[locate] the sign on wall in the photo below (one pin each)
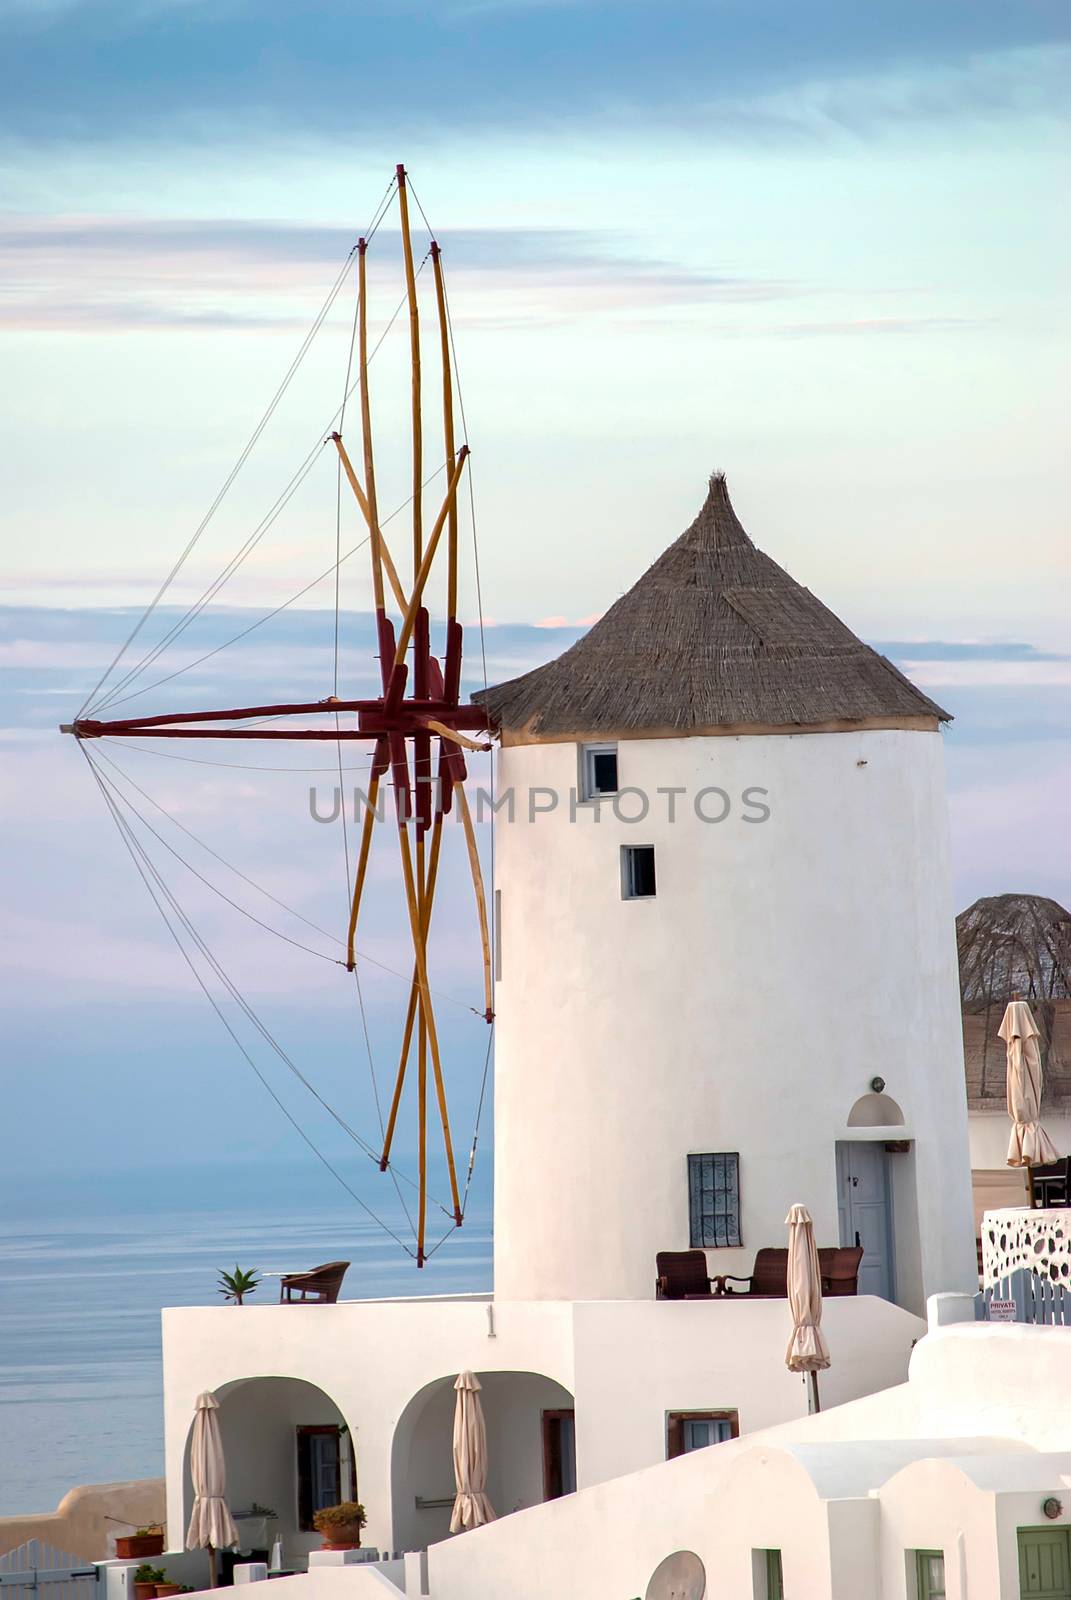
(1002, 1310)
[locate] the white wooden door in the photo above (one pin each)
(865, 1213)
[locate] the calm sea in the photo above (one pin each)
(86, 1264)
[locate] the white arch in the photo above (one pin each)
(421, 1449)
(258, 1417)
(875, 1111)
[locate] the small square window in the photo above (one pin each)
(598, 770)
(714, 1201)
(694, 1430)
(637, 871)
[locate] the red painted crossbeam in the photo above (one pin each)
(373, 718)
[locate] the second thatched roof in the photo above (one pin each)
(1015, 944)
(714, 635)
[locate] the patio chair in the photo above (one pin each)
(682, 1275)
(838, 1266)
(768, 1279)
(318, 1287)
(1051, 1183)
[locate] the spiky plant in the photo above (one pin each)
(237, 1284)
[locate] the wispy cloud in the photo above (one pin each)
(1030, 81)
(965, 650)
(865, 327)
(944, 663)
(189, 273)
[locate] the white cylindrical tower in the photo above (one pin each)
(724, 912)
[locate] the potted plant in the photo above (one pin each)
(341, 1525)
(147, 1541)
(146, 1577)
(237, 1284)
(165, 1589)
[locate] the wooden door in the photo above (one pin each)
(865, 1213)
(1045, 1563)
(559, 1453)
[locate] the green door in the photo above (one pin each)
(930, 1573)
(1045, 1563)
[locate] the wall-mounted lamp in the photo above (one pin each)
(1052, 1508)
(878, 1085)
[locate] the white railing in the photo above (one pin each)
(33, 1571)
(1036, 1299)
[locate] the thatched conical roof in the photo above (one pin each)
(1015, 944)
(714, 636)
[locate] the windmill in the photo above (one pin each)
(417, 727)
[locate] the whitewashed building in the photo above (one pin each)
(954, 1484)
(726, 982)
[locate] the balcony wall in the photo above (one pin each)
(628, 1363)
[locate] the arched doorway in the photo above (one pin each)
(522, 1410)
(289, 1450)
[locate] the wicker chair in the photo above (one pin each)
(318, 1287)
(837, 1264)
(682, 1275)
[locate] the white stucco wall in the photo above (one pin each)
(387, 1366)
(370, 1358)
(701, 1358)
(780, 967)
(955, 1460)
(990, 1132)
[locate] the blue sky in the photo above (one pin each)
(823, 247)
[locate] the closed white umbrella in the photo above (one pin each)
(211, 1524)
(1030, 1145)
(472, 1507)
(807, 1349)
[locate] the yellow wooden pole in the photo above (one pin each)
(429, 1017)
(414, 992)
(448, 425)
(429, 556)
(422, 1066)
(414, 352)
(362, 868)
(422, 1127)
(457, 738)
(366, 425)
(392, 574)
(444, 1114)
(355, 483)
(362, 501)
(481, 901)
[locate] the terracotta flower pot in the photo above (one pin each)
(345, 1536)
(136, 1546)
(145, 1591)
(163, 1590)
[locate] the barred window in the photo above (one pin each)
(714, 1200)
